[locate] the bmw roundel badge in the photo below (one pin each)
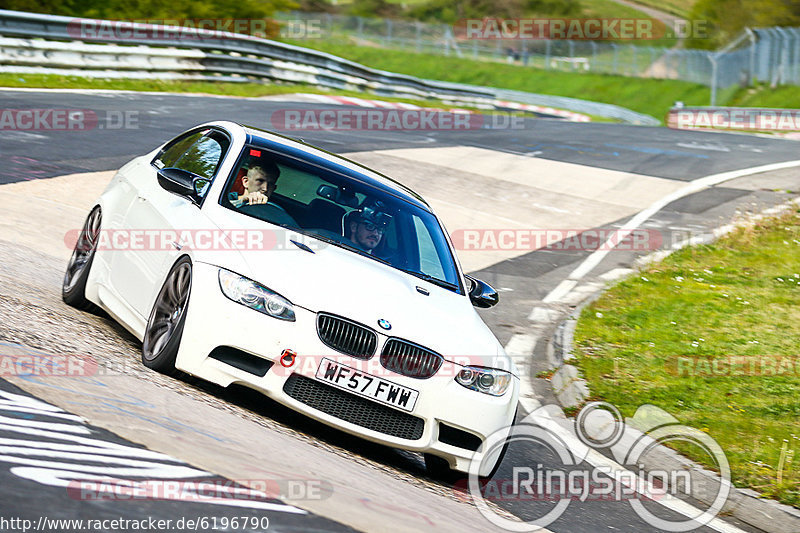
(384, 324)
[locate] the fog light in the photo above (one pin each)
(288, 358)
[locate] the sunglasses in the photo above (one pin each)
(372, 227)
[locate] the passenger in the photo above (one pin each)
(259, 183)
(367, 227)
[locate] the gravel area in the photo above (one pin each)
(34, 315)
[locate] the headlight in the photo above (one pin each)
(485, 380)
(255, 296)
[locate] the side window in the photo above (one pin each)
(202, 158)
(173, 151)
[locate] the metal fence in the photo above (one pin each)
(771, 55)
(35, 43)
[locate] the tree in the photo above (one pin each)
(727, 18)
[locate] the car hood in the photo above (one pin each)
(341, 282)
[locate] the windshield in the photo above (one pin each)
(342, 211)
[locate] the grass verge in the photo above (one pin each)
(248, 90)
(649, 96)
(710, 335)
(682, 8)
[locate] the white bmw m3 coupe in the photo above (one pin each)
(241, 256)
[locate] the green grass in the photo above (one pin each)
(610, 9)
(676, 7)
(736, 297)
(649, 96)
(762, 96)
(653, 97)
(252, 90)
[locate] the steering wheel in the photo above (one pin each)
(269, 212)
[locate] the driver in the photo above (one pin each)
(367, 228)
(259, 183)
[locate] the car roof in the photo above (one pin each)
(299, 148)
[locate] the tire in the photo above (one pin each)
(439, 469)
(73, 287)
(162, 336)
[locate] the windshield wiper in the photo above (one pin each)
(431, 279)
(421, 275)
(348, 246)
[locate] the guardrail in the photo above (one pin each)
(35, 43)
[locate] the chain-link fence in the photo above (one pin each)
(771, 55)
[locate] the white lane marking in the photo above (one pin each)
(520, 347)
(97, 459)
(520, 344)
(694, 186)
(560, 291)
(436, 199)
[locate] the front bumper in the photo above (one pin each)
(212, 320)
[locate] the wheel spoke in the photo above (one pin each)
(166, 317)
(183, 281)
(160, 342)
(164, 323)
(174, 298)
(164, 307)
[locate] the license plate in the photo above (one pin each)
(366, 385)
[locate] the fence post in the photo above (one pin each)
(616, 58)
(419, 33)
(360, 29)
(547, 54)
(713, 59)
(752, 37)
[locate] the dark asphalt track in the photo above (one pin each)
(651, 151)
(39, 448)
(658, 152)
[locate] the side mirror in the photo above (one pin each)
(183, 183)
(481, 294)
